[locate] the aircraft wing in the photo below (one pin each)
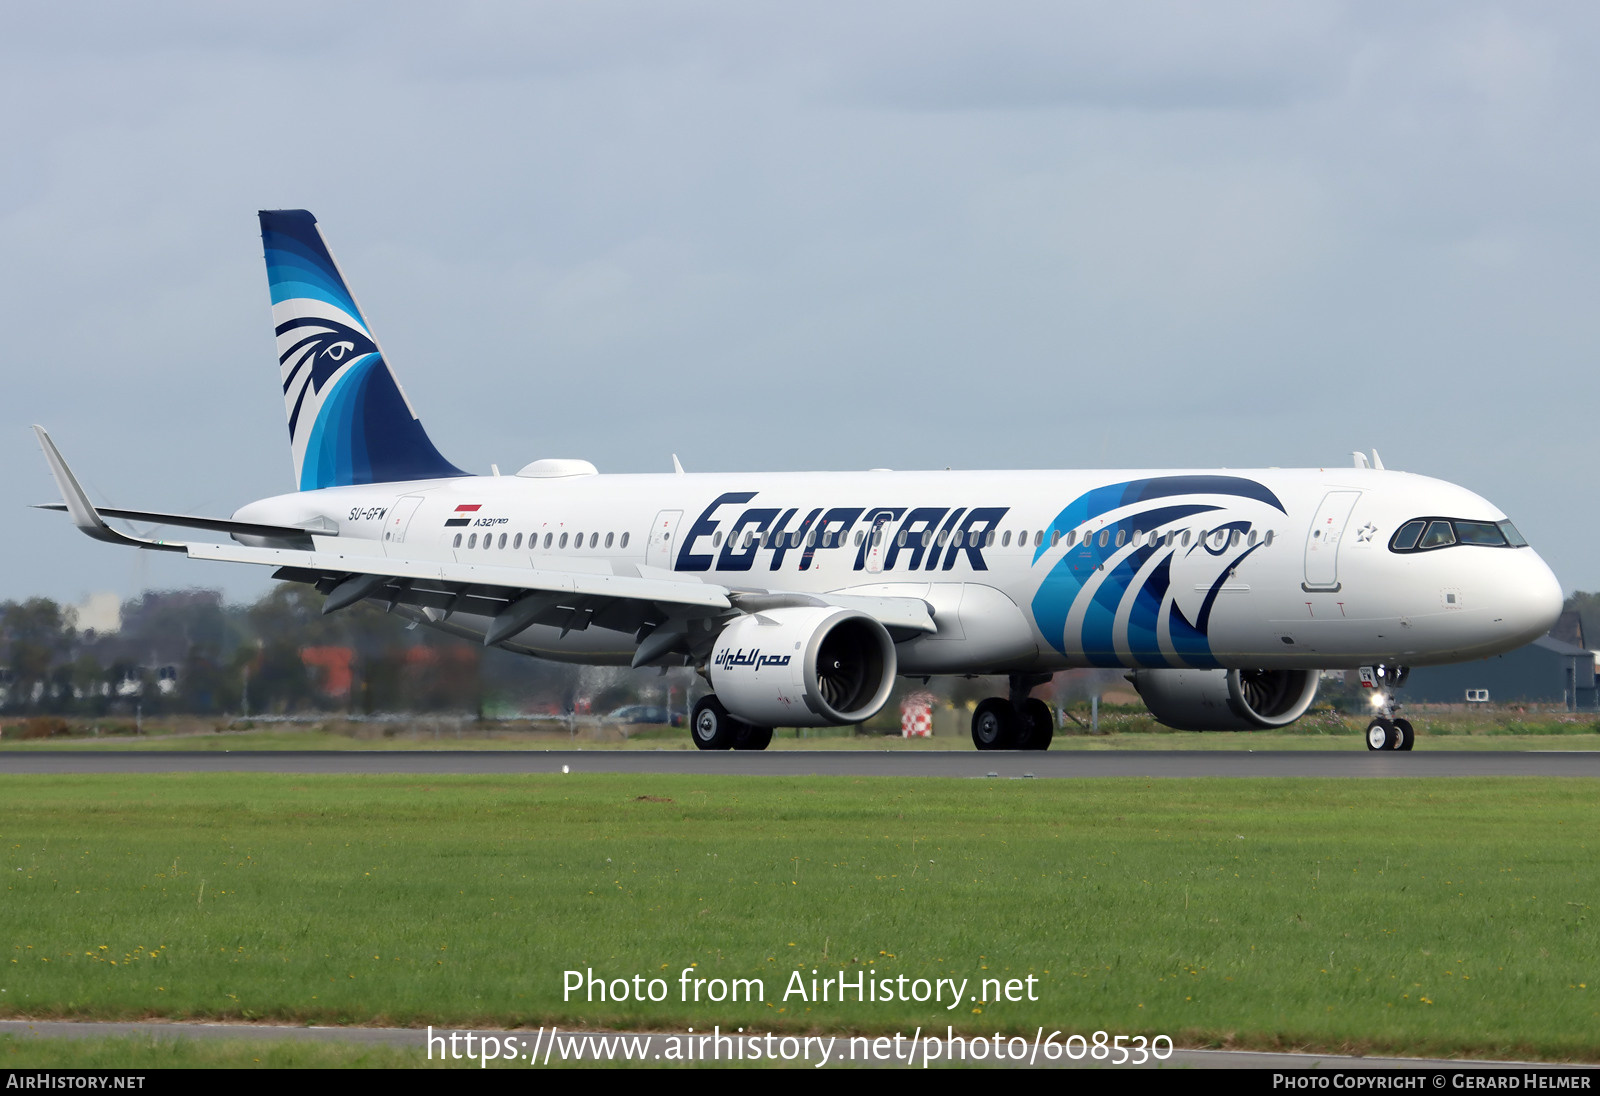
(656, 606)
(91, 518)
(192, 521)
(657, 610)
(509, 580)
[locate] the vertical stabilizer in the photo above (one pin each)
(349, 422)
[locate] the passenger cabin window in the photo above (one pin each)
(624, 540)
(1055, 537)
(609, 538)
(472, 541)
(457, 544)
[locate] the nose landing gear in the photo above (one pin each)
(1390, 734)
(1386, 732)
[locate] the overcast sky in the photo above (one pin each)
(998, 235)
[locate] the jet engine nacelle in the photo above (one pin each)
(1226, 700)
(803, 667)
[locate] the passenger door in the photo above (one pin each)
(1322, 542)
(399, 521)
(658, 553)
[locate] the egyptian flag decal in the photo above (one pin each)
(464, 514)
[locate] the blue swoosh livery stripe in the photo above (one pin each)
(1080, 567)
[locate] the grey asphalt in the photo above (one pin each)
(531, 1046)
(959, 763)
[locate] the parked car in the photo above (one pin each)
(643, 713)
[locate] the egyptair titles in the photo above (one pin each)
(927, 538)
(741, 657)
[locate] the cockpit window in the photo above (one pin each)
(1480, 532)
(1406, 538)
(1437, 536)
(1428, 534)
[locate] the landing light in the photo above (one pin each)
(1378, 700)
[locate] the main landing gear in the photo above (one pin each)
(1386, 732)
(1018, 722)
(714, 729)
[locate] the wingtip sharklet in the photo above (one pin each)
(72, 493)
(83, 513)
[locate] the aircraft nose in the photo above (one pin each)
(1532, 598)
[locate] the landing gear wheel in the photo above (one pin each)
(747, 736)
(994, 725)
(712, 728)
(1036, 725)
(1406, 734)
(1381, 735)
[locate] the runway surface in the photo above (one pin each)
(968, 763)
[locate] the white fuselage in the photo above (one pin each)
(1295, 568)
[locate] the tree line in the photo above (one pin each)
(187, 651)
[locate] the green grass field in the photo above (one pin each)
(1425, 917)
(1121, 728)
(137, 1052)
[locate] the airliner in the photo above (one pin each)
(799, 597)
